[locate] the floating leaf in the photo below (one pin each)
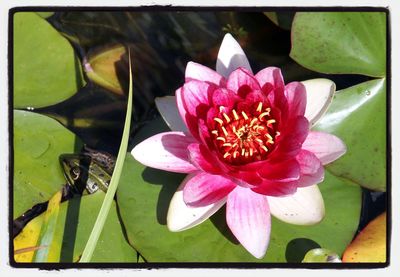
(48, 228)
(340, 42)
(38, 142)
(75, 221)
(104, 67)
(26, 241)
(144, 195)
(358, 116)
(370, 244)
(46, 69)
(321, 255)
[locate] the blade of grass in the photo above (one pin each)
(105, 207)
(48, 228)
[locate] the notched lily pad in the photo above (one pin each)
(38, 142)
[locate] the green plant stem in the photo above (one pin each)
(105, 207)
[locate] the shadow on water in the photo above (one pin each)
(296, 249)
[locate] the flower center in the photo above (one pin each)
(242, 137)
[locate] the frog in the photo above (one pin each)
(91, 170)
(85, 173)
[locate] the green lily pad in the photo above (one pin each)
(46, 69)
(143, 198)
(340, 42)
(74, 224)
(358, 116)
(38, 141)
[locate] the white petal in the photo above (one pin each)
(181, 217)
(305, 207)
(319, 96)
(231, 57)
(169, 111)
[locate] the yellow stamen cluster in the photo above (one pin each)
(243, 137)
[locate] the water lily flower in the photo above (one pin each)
(244, 139)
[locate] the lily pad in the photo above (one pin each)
(370, 244)
(75, 222)
(46, 69)
(143, 198)
(38, 142)
(340, 42)
(358, 116)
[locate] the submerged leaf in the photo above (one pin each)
(104, 67)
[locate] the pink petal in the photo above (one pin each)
(193, 101)
(242, 81)
(224, 97)
(270, 76)
(196, 94)
(291, 140)
(305, 207)
(165, 151)
(279, 102)
(311, 169)
(285, 171)
(325, 146)
(169, 111)
(275, 188)
(248, 217)
(230, 57)
(246, 178)
(200, 156)
(202, 73)
(204, 189)
(182, 217)
(297, 98)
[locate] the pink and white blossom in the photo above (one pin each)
(244, 139)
